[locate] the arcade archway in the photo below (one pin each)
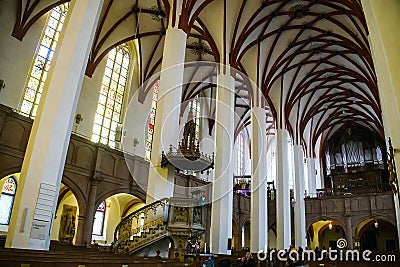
(376, 235)
(324, 234)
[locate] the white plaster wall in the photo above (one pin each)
(305, 175)
(135, 124)
(89, 96)
(88, 99)
(291, 165)
(271, 239)
(246, 153)
(247, 156)
(318, 166)
(206, 140)
(16, 56)
(271, 158)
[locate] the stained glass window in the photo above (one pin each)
(7, 200)
(240, 156)
(109, 107)
(194, 107)
(99, 217)
(41, 63)
(150, 130)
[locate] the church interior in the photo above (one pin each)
(188, 132)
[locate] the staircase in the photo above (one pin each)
(177, 219)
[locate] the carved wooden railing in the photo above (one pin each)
(176, 218)
(145, 225)
(350, 208)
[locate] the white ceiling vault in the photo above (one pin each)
(310, 59)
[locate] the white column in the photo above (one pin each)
(222, 190)
(319, 174)
(383, 39)
(312, 177)
(397, 209)
(283, 223)
(259, 221)
(299, 209)
(39, 183)
(166, 128)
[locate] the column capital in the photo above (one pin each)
(283, 132)
(297, 146)
(96, 179)
(173, 30)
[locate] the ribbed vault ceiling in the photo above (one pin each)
(310, 59)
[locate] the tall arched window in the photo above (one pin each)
(44, 56)
(240, 155)
(194, 107)
(99, 217)
(7, 200)
(109, 107)
(150, 126)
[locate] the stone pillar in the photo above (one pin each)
(222, 190)
(90, 211)
(259, 204)
(166, 128)
(299, 209)
(349, 232)
(39, 183)
(347, 214)
(80, 230)
(312, 177)
(283, 223)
